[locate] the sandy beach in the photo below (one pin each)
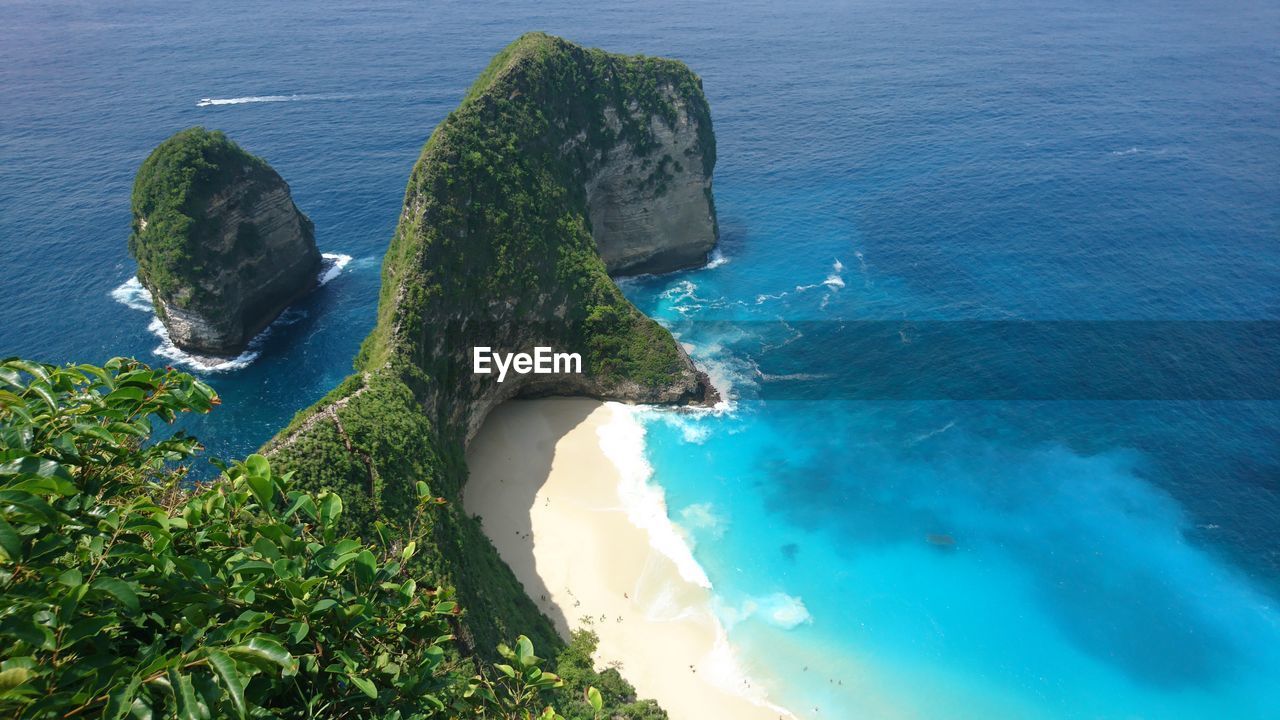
(571, 515)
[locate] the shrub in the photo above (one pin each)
(126, 591)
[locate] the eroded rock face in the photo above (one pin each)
(551, 174)
(651, 209)
(219, 242)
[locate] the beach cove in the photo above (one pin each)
(560, 486)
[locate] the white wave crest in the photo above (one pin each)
(210, 102)
(693, 427)
(682, 290)
(834, 280)
(716, 259)
(622, 440)
(133, 295)
(204, 363)
(331, 266)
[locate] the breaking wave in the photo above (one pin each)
(622, 440)
(134, 296)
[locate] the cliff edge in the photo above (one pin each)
(218, 240)
(495, 248)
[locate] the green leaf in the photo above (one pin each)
(330, 509)
(71, 577)
(28, 631)
(269, 650)
(258, 465)
(10, 377)
(302, 502)
(34, 466)
(13, 677)
(365, 566)
(184, 695)
(10, 543)
(524, 651)
(125, 394)
(118, 589)
(262, 488)
(366, 686)
(44, 394)
(594, 700)
(45, 485)
(229, 675)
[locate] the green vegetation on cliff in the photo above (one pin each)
(493, 248)
(170, 192)
(495, 210)
(127, 592)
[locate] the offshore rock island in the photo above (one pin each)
(219, 243)
(561, 164)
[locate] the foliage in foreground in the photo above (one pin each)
(126, 593)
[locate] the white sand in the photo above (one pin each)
(551, 500)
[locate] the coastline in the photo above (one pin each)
(561, 488)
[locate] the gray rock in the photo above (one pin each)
(230, 254)
(653, 212)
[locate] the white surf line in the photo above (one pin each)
(133, 295)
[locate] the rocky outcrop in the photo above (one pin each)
(219, 242)
(651, 208)
(561, 165)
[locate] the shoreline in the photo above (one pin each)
(561, 488)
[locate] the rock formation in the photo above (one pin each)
(219, 243)
(650, 205)
(561, 164)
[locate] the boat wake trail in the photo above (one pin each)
(209, 102)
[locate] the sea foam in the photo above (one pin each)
(622, 441)
(133, 295)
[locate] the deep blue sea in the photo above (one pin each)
(1005, 164)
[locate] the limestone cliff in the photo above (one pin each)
(558, 156)
(218, 240)
(650, 202)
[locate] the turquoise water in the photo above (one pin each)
(1009, 162)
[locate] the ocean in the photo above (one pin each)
(882, 543)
